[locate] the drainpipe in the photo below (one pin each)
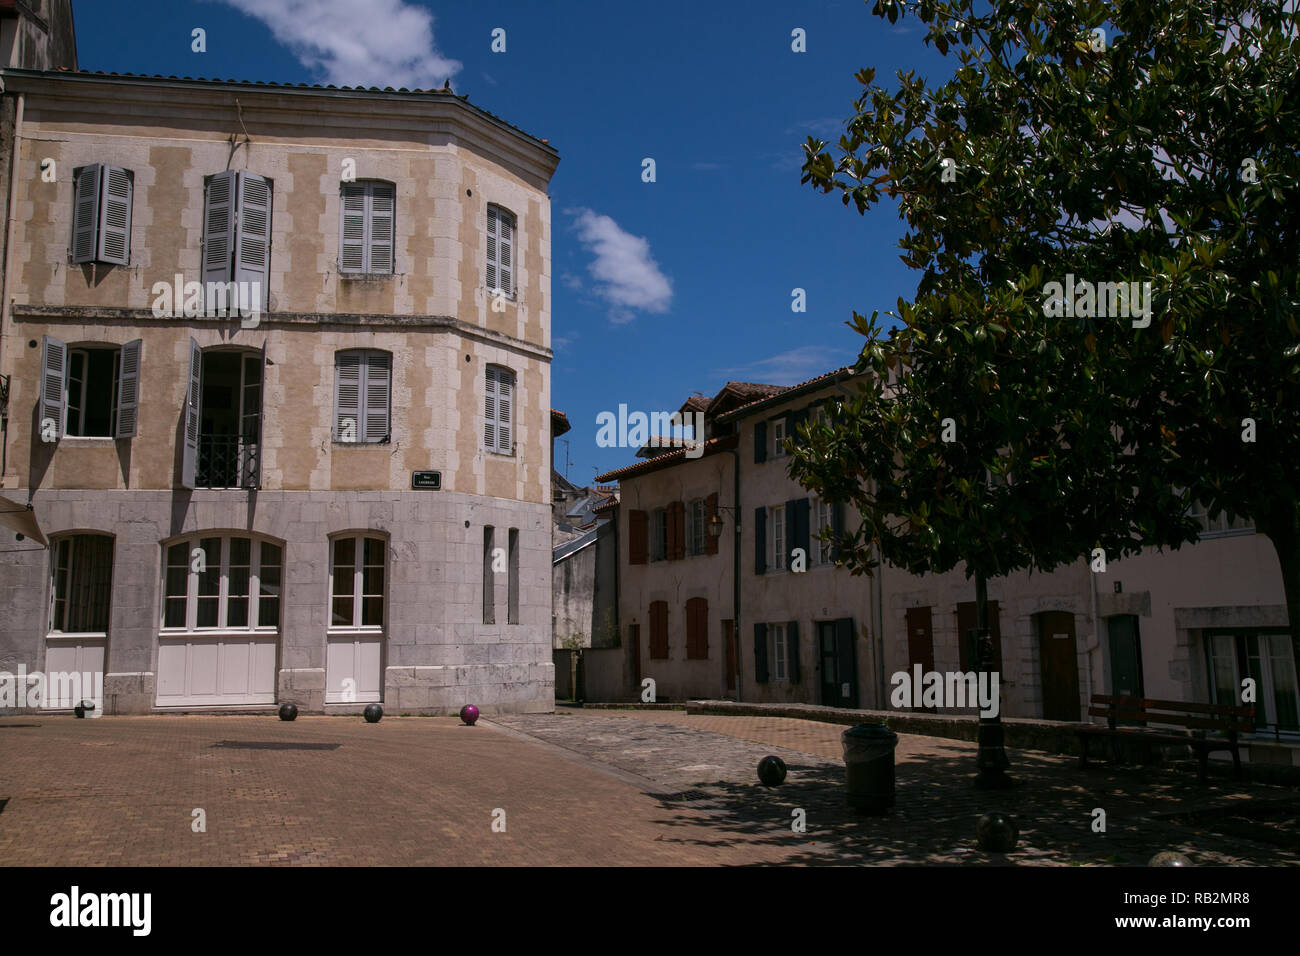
(5, 310)
(1096, 634)
(880, 628)
(735, 575)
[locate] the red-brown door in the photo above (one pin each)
(920, 645)
(635, 630)
(1059, 664)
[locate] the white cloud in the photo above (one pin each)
(790, 368)
(627, 276)
(347, 43)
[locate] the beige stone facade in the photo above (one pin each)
(433, 314)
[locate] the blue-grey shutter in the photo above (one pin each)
(218, 227)
(54, 381)
(190, 439)
(837, 528)
(505, 412)
(85, 212)
(379, 225)
(128, 390)
(376, 394)
(492, 248)
(760, 442)
(490, 410)
(791, 527)
(760, 540)
(352, 228)
(505, 252)
(114, 244)
(347, 397)
(797, 526)
(253, 236)
(760, 653)
(792, 650)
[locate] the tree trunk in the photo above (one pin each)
(1285, 538)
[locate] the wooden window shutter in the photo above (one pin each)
(54, 379)
(670, 532)
(85, 213)
(679, 522)
(799, 535)
(352, 228)
(492, 248)
(760, 540)
(253, 236)
(791, 528)
(505, 252)
(505, 409)
(490, 409)
(348, 426)
(218, 227)
(378, 374)
(792, 650)
(710, 511)
(697, 628)
(128, 390)
(760, 653)
(382, 213)
(837, 528)
(760, 442)
(636, 537)
(114, 243)
(190, 440)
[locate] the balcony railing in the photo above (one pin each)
(228, 461)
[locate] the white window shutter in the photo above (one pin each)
(352, 228)
(190, 440)
(492, 248)
(85, 213)
(505, 253)
(253, 234)
(505, 409)
(490, 410)
(380, 229)
(218, 227)
(114, 243)
(128, 390)
(347, 397)
(54, 378)
(378, 369)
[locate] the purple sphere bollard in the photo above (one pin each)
(469, 714)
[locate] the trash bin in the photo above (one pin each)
(869, 762)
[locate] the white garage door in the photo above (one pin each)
(352, 669)
(214, 671)
(68, 656)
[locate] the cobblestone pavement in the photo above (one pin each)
(658, 788)
(712, 762)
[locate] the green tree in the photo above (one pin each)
(1114, 156)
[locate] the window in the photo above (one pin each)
(1265, 656)
(695, 527)
(501, 251)
(362, 393)
(512, 582)
(778, 663)
(659, 535)
(83, 576)
(89, 392)
(821, 520)
(237, 238)
(498, 411)
(230, 419)
(357, 582)
(489, 577)
(658, 630)
(1220, 524)
(101, 215)
(222, 582)
(366, 228)
(778, 437)
(776, 540)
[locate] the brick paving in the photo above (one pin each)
(656, 788)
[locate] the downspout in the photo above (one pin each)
(5, 310)
(1096, 635)
(880, 628)
(735, 576)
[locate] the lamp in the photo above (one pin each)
(715, 522)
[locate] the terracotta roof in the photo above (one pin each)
(659, 444)
(785, 393)
(559, 423)
(696, 403)
(444, 92)
(668, 459)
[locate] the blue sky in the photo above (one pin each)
(659, 289)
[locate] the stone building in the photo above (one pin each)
(336, 495)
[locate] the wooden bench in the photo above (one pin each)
(1198, 719)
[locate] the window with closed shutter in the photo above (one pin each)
(362, 396)
(498, 411)
(101, 215)
(501, 251)
(366, 228)
(237, 235)
(658, 630)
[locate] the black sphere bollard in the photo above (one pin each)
(997, 833)
(1169, 858)
(79, 711)
(771, 771)
(288, 711)
(469, 714)
(372, 713)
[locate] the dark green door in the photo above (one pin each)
(1125, 655)
(839, 672)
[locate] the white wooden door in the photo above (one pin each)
(354, 658)
(215, 671)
